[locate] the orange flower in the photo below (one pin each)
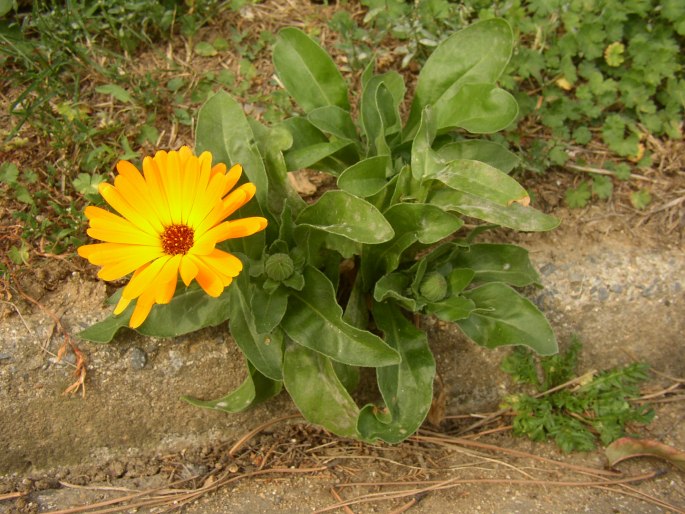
(171, 219)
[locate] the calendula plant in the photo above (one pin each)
(325, 288)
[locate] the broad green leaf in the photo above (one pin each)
(475, 55)
(367, 177)
(503, 317)
(478, 108)
(315, 388)
(379, 105)
(308, 72)
(263, 350)
(395, 286)
(268, 308)
(516, 216)
(223, 130)
(427, 223)
(459, 278)
(498, 263)
(303, 132)
(310, 156)
(272, 142)
(342, 214)
(488, 152)
(333, 120)
(452, 308)
(424, 160)
(254, 390)
(314, 320)
(481, 180)
(407, 388)
(189, 310)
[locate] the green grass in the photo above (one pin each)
(92, 82)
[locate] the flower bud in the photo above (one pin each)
(279, 267)
(434, 287)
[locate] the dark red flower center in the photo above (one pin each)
(177, 239)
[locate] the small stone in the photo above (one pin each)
(616, 288)
(548, 269)
(650, 290)
(602, 293)
(138, 358)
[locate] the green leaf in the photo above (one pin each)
(205, 49)
(578, 197)
(314, 320)
(602, 187)
(452, 308)
(424, 160)
(117, 92)
(333, 120)
(427, 223)
(640, 199)
(308, 72)
(189, 310)
(516, 216)
(263, 350)
(503, 317)
(315, 388)
(311, 156)
(9, 173)
(407, 388)
(367, 177)
(475, 55)
(342, 214)
(481, 180)
(223, 130)
(477, 108)
(268, 308)
(379, 105)
(488, 152)
(254, 390)
(395, 286)
(498, 263)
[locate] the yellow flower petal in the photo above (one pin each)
(142, 310)
(239, 228)
(142, 281)
(188, 270)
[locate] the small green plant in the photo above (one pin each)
(595, 406)
(323, 289)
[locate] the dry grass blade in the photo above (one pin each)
(241, 442)
(460, 441)
(175, 498)
(452, 482)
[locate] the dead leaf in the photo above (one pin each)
(301, 183)
(628, 448)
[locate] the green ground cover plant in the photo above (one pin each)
(586, 70)
(596, 407)
(331, 286)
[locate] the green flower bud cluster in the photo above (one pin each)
(433, 287)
